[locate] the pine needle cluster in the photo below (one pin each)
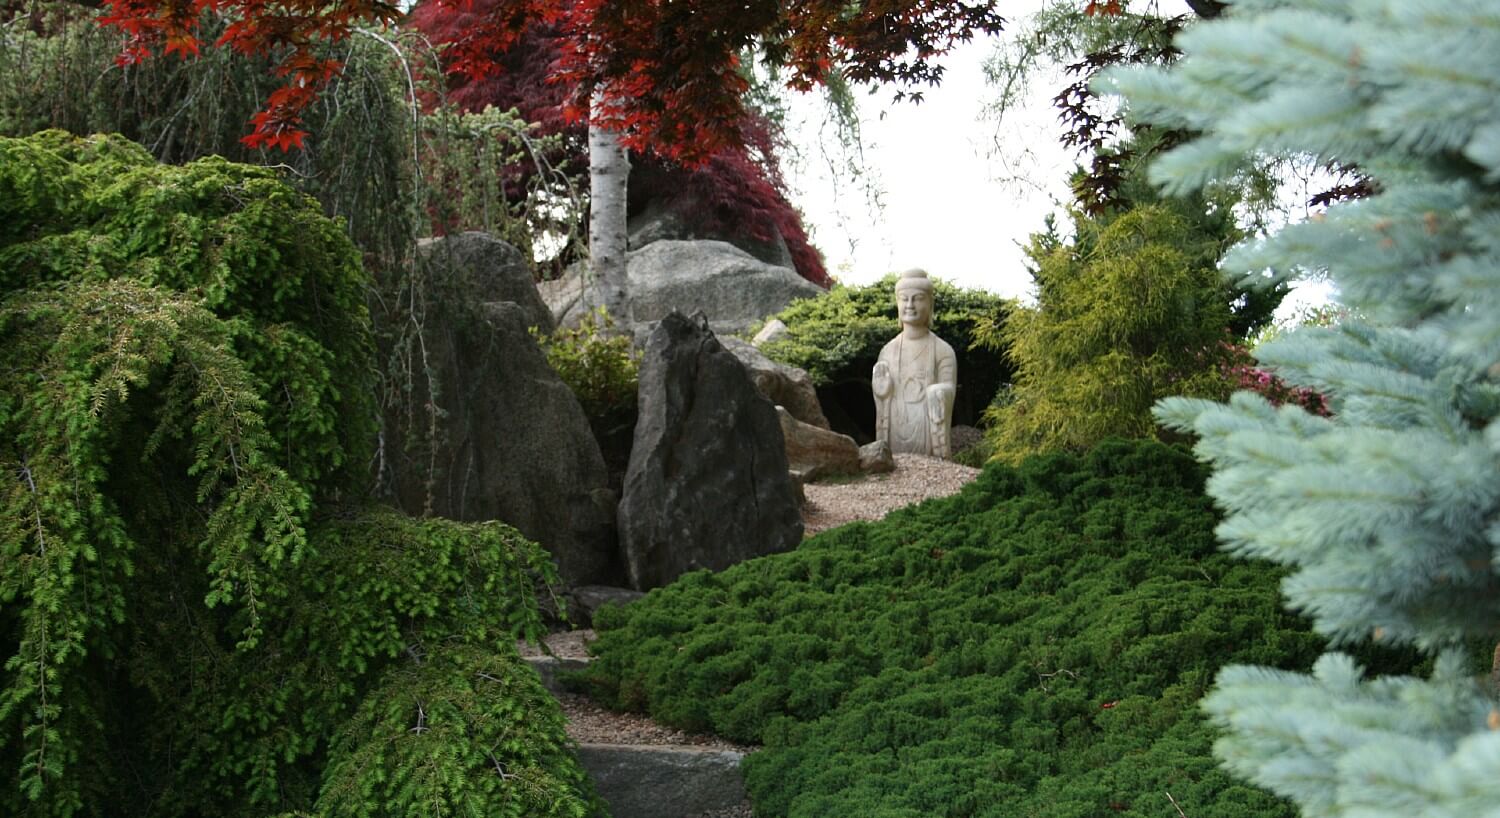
(1386, 511)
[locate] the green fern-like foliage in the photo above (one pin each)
(196, 616)
(1035, 645)
(599, 364)
(1130, 310)
(1385, 513)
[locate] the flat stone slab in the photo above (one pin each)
(663, 782)
(547, 667)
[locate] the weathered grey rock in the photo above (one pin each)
(663, 782)
(774, 330)
(732, 288)
(514, 445)
(783, 385)
(548, 669)
(588, 599)
(494, 270)
(661, 222)
(817, 452)
(562, 294)
(875, 458)
(707, 485)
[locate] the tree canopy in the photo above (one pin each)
(668, 74)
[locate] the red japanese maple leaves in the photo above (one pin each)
(666, 72)
(291, 29)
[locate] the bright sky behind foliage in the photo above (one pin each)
(953, 203)
(943, 206)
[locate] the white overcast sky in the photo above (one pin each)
(944, 208)
(953, 203)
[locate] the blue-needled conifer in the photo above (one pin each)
(1386, 512)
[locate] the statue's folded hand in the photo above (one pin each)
(939, 402)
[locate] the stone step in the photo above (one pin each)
(548, 667)
(650, 780)
(643, 781)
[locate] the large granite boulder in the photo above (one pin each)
(814, 452)
(783, 385)
(512, 443)
(493, 270)
(663, 222)
(707, 485)
(733, 289)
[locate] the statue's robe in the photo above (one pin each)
(915, 417)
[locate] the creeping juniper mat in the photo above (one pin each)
(1035, 645)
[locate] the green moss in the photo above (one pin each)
(1034, 645)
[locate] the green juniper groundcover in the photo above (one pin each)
(1033, 646)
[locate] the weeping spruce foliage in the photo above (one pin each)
(197, 616)
(1386, 513)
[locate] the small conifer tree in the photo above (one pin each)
(1386, 512)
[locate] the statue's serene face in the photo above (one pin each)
(914, 306)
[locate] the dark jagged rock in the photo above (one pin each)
(707, 485)
(512, 442)
(587, 600)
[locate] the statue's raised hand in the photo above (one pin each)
(880, 380)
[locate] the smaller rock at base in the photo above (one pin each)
(774, 330)
(875, 458)
(660, 782)
(588, 599)
(820, 452)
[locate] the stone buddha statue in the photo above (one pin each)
(915, 378)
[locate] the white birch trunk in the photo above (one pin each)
(609, 174)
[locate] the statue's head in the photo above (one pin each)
(914, 298)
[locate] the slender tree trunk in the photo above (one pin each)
(609, 173)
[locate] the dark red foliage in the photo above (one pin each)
(1240, 370)
(736, 192)
(290, 29)
(1087, 128)
(667, 70)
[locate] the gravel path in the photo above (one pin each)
(871, 497)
